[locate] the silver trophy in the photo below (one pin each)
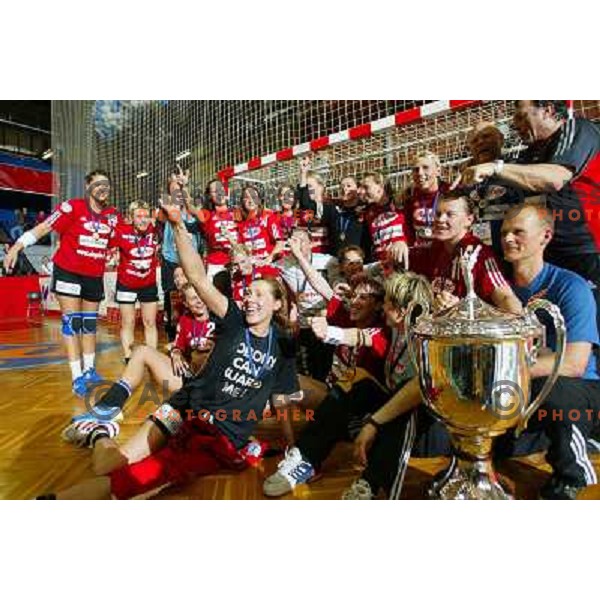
(474, 362)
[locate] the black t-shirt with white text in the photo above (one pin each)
(241, 375)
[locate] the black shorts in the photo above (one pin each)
(127, 295)
(65, 283)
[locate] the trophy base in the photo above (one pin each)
(469, 477)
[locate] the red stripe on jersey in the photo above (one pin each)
(587, 188)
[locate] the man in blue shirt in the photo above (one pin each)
(570, 411)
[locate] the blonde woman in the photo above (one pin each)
(382, 449)
(136, 243)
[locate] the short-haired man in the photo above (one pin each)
(569, 412)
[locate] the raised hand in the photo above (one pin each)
(172, 211)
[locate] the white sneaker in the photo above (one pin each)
(359, 490)
(291, 471)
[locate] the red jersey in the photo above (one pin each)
(319, 234)
(240, 283)
(220, 229)
(386, 226)
(195, 339)
(260, 234)
(419, 212)
(369, 358)
(444, 272)
(137, 256)
(177, 306)
(288, 222)
(84, 236)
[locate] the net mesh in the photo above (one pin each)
(139, 142)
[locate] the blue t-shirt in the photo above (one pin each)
(169, 249)
(573, 296)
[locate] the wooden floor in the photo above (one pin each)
(36, 403)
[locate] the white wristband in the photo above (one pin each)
(334, 336)
(27, 239)
(498, 167)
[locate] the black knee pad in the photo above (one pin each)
(89, 322)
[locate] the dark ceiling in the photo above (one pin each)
(34, 113)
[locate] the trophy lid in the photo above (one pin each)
(473, 317)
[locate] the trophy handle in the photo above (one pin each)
(559, 326)
(410, 310)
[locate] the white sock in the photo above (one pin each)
(75, 369)
(88, 361)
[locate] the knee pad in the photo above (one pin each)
(71, 324)
(89, 322)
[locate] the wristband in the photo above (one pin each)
(373, 422)
(334, 336)
(498, 167)
(27, 239)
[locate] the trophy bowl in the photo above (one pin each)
(473, 362)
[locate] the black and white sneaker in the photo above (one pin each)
(84, 434)
(556, 489)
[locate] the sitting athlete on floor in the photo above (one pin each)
(193, 343)
(383, 462)
(356, 379)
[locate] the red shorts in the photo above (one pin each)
(199, 448)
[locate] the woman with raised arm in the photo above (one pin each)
(85, 226)
(204, 425)
(177, 192)
(219, 225)
(343, 222)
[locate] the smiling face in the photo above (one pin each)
(485, 143)
(241, 263)
(534, 123)
(195, 304)
(349, 189)
(374, 191)
(394, 317)
(364, 304)
(99, 189)
(351, 264)
(426, 173)
(286, 198)
(259, 303)
(452, 220)
(524, 235)
(250, 201)
(216, 194)
(141, 219)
